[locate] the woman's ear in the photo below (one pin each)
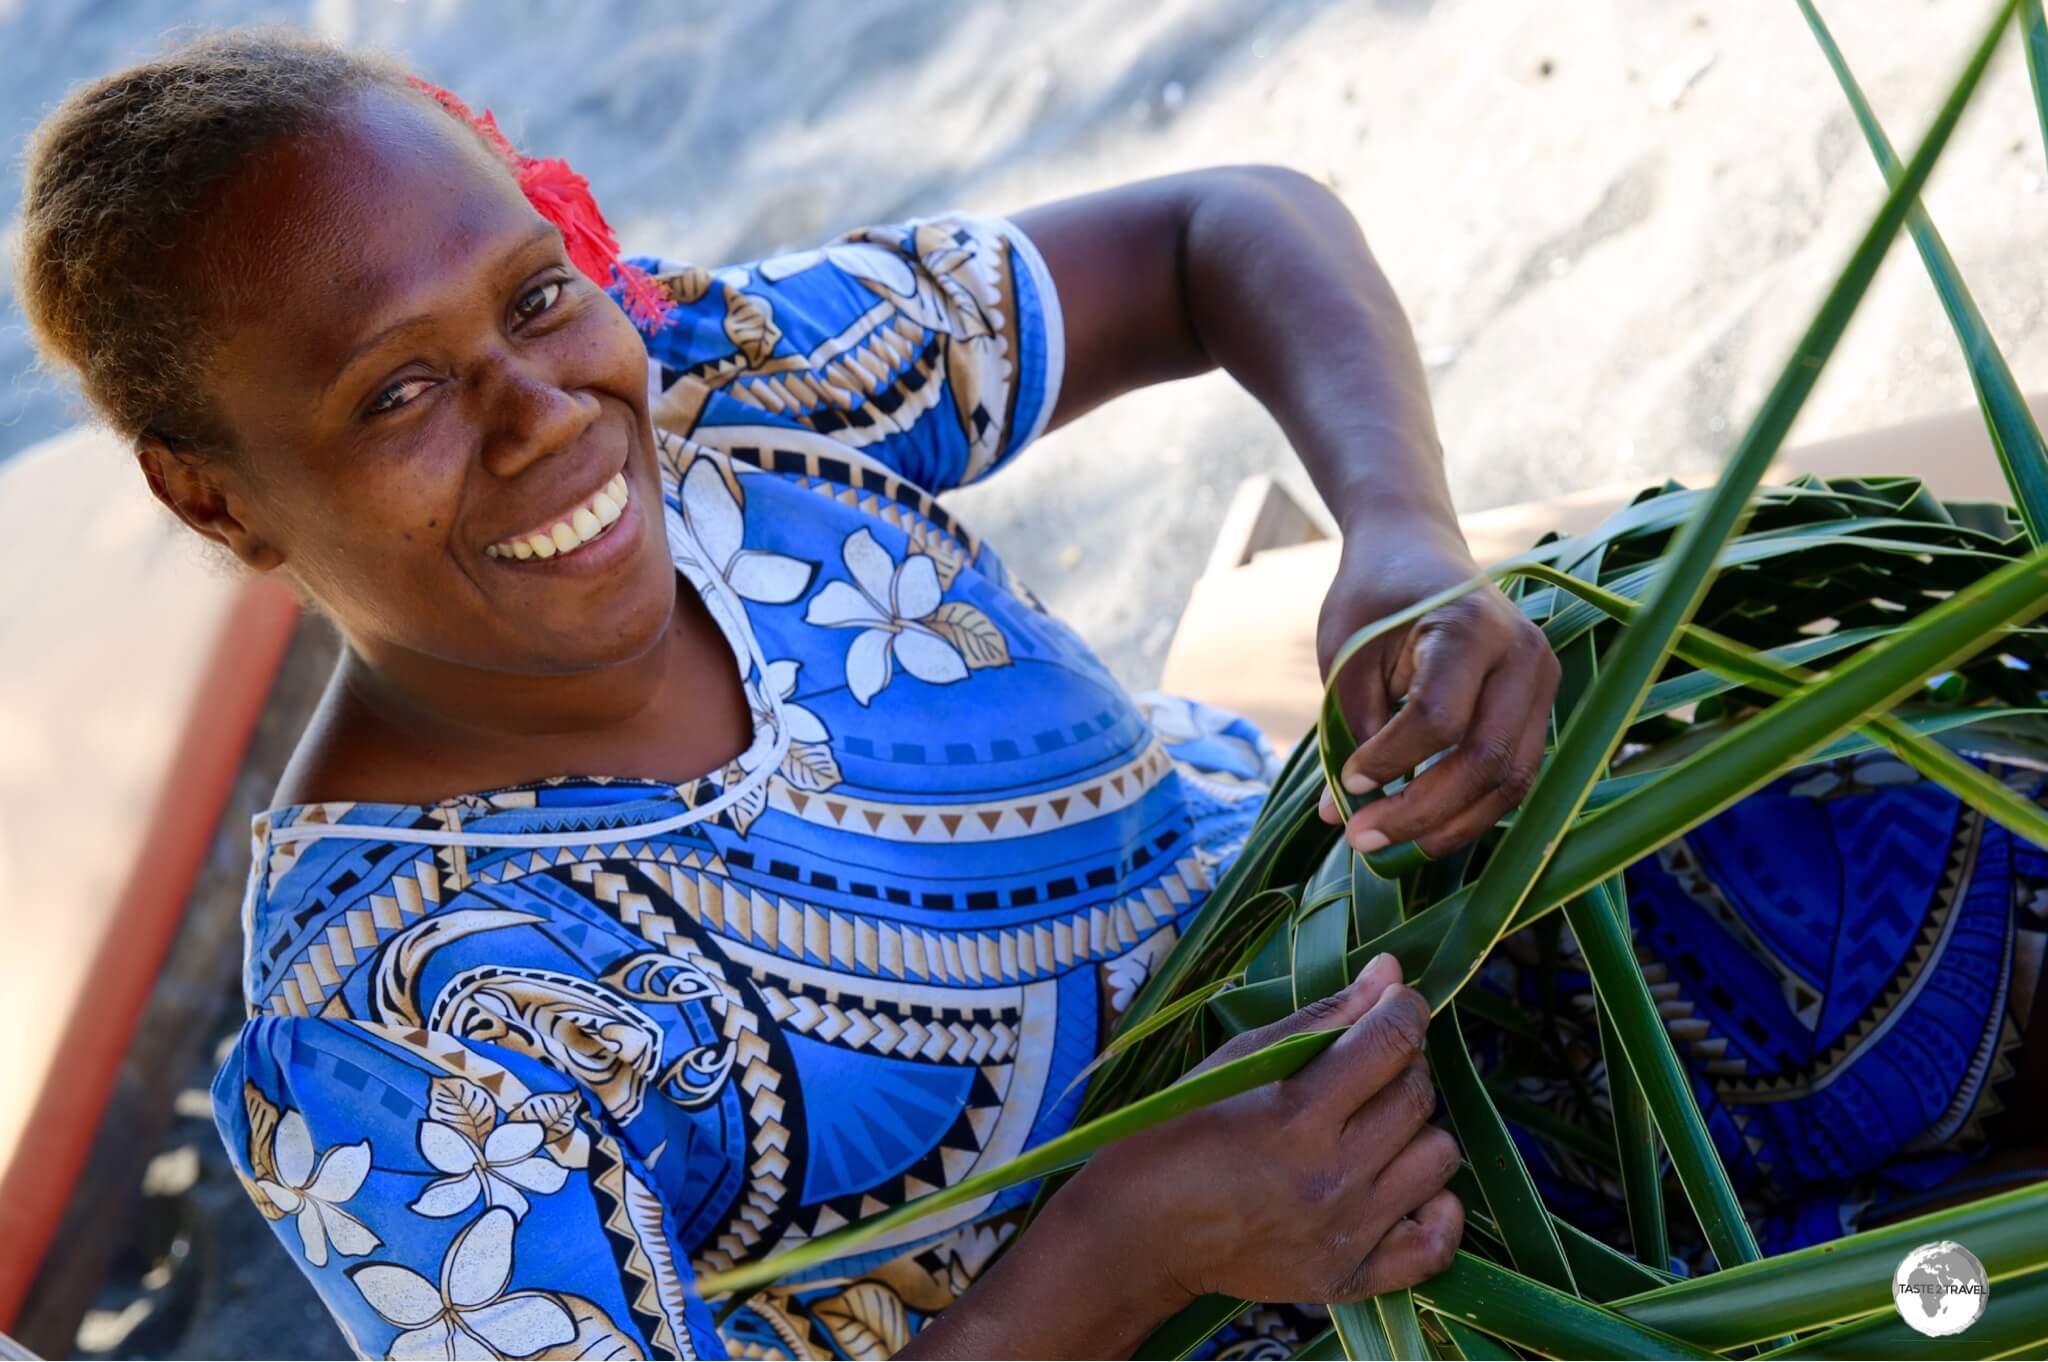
(194, 493)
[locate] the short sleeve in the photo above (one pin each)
(933, 347)
(453, 1199)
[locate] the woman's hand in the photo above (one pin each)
(1295, 1191)
(1324, 1186)
(1475, 677)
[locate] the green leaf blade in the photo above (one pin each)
(1842, 1279)
(1635, 1133)
(2015, 436)
(1512, 1200)
(1540, 1319)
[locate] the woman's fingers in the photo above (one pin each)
(1342, 1008)
(1463, 827)
(1413, 1250)
(1381, 1130)
(1490, 756)
(1295, 1190)
(1372, 1053)
(1471, 789)
(1436, 709)
(1420, 1168)
(1476, 685)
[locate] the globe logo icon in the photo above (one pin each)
(1940, 1288)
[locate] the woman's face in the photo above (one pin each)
(418, 383)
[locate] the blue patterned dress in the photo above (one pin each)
(522, 1064)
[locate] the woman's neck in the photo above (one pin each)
(413, 730)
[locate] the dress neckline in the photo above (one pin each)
(658, 812)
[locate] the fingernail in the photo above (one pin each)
(1369, 841)
(1377, 962)
(1360, 783)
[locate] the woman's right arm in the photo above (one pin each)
(1297, 1191)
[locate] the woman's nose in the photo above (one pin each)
(528, 415)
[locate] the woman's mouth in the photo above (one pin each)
(588, 522)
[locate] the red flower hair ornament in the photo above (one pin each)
(563, 197)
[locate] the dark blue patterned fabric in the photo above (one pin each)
(1846, 962)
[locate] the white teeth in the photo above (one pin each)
(584, 524)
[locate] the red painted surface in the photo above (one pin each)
(42, 1173)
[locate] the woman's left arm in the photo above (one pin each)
(1263, 272)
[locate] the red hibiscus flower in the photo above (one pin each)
(563, 197)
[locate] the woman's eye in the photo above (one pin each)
(398, 394)
(537, 300)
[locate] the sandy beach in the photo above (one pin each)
(1608, 221)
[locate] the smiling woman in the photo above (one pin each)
(705, 840)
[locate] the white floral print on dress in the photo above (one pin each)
(509, 1159)
(808, 763)
(778, 680)
(314, 1191)
(888, 604)
(469, 1314)
(714, 517)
